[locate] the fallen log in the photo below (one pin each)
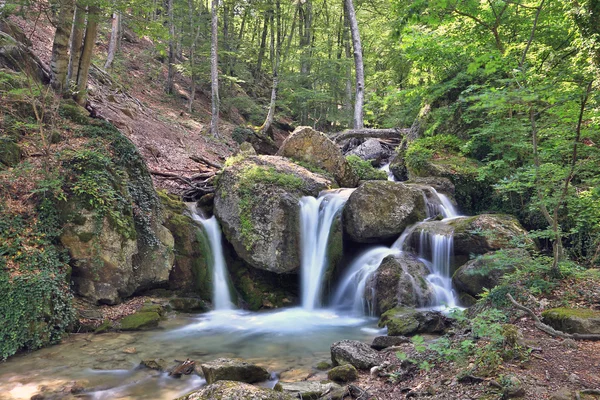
(203, 160)
(369, 133)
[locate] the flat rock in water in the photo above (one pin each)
(383, 342)
(356, 353)
(309, 390)
(226, 369)
(236, 391)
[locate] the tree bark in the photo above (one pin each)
(114, 39)
(358, 66)
(214, 69)
(275, 55)
(59, 63)
(76, 42)
(171, 67)
(86, 55)
(263, 44)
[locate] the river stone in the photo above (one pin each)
(485, 272)
(309, 390)
(400, 280)
(157, 364)
(226, 369)
(139, 321)
(406, 321)
(231, 390)
(371, 149)
(383, 342)
(573, 320)
(343, 373)
(356, 353)
(257, 205)
(313, 147)
(381, 210)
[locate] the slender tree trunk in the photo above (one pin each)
(114, 38)
(120, 32)
(214, 69)
(275, 56)
(263, 44)
(195, 34)
(86, 55)
(348, 88)
(358, 66)
(171, 69)
(59, 63)
(76, 42)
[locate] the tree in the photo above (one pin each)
(358, 66)
(114, 39)
(86, 54)
(76, 42)
(171, 61)
(60, 48)
(214, 68)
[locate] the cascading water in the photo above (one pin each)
(386, 168)
(221, 295)
(316, 218)
(440, 248)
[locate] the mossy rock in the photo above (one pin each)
(226, 369)
(72, 111)
(151, 307)
(10, 152)
(230, 390)
(189, 304)
(323, 366)
(343, 373)
(139, 321)
(406, 321)
(573, 320)
(310, 390)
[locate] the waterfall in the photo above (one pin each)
(317, 215)
(390, 174)
(447, 208)
(221, 297)
(436, 250)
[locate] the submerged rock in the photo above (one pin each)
(400, 280)
(573, 320)
(226, 369)
(356, 353)
(257, 204)
(405, 321)
(485, 272)
(309, 390)
(383, 342)
(343, 373)
(236, 391)
(157, 364)
(315, 148)
(381, 210)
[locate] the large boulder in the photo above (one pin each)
(309, 390)
(381, 210)
(257, 204)
(358, 354)
(573, 320)
(18, 57)
(485, 272)
(370, 150)
(406, 321)
(226, 369)
(231, 390)
(383, 342)
(400, 280)
(315, 148)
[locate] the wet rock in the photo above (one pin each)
(399, 281)
(398, 167)
(157, 364)
(139, 321)
(323, 366)
(485, 272)
(343, 373)
(313, 147)
(309, 390)
(356, 353)
(573, 320)
(226, 369)
(189, 304)
(381, 210)
(406, 321)
(231, 390)
(370, 150)
(383, 342)
(256, 202)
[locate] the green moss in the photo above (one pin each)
(323, 366)
(150, 307)
(364, 170)
(10, 152)
(343, 373)
(104, 327)
(85, 236)
(171, 202)
(70, 110)
(565, 313)
(139, 321)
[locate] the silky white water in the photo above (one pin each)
(317, 216)
(390, 176)
(436, 250)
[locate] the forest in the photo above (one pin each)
(253, 199)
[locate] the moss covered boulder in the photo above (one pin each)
(381, 210)
(486, 271)
(230, 390)
(226, 369)
(358, 354)
(10, 152)
(343, 373)
(257, 205)
(400, 280)
(309, 390)
(315, 148)
(398, 167)
(573, 320)
(402, 321)
(139, 321)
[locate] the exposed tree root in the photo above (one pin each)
(203, 160)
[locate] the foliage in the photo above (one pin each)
(364, 170)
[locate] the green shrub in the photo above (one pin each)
(241, 134)
(364, 170)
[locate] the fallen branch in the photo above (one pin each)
(548, 329)
(371, 133)
(202, 160)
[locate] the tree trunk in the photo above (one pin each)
(214, 69)
(348, 86)
(263, 43)
(171, 69)
(358, 66)
(76, 42)
(86, 55)
(60, 48)
(114, 38)
(275, 56)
